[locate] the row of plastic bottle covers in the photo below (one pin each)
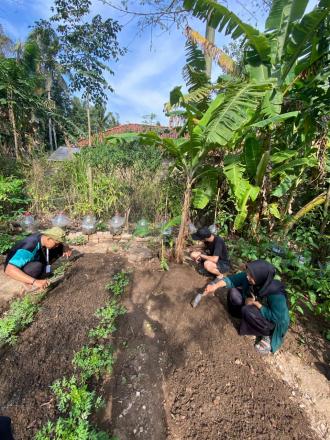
(89, 222)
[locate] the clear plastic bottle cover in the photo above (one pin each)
(61, 220)
(116, 222)
(89, 220)
(28, 222)
(88, 224)
(142, 223)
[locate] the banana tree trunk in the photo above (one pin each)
(210, 36)
(13, 122)
(181, 240)
(321, 198)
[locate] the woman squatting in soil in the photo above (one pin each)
(260, 302)
(30, 259)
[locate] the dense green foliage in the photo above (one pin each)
(122, 180)
(20, 315)
(67, 54)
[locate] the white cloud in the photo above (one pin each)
(143, 79)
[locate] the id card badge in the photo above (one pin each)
(48, 267)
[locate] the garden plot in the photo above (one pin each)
(180, 373)
(45, 350)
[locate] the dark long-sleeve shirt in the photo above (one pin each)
(275, 308)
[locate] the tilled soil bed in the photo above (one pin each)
(186, 374)
(45, 350)
(180, 374)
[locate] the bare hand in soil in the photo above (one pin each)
(210, 288)
(41, 284)
(67, 253)
(196, 255)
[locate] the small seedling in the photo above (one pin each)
(108, 315)
(20, 315)
(93, 361)
(60, 270)
(118, 284)
(79, 240)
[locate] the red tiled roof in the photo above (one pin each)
(130, 128)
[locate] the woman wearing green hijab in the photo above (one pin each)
(260, 302)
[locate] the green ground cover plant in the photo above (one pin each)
(23, 310)
(19, 315)
(118, 283)
(93, 361)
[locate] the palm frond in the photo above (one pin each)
(280, 19)
(224, 60)
(232, 110)
(221, 18)
(301, 44)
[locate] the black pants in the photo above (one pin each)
(36, 269)
(252, 321)
(5, 428)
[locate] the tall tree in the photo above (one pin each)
(86, 48)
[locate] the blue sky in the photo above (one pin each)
(145, 75)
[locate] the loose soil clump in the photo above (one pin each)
(45, 350)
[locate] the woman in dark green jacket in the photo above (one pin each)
(260, 302)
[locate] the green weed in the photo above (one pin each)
(93, 361)
(119, 281)
(79, 240)
(107, 315)
(20, 315)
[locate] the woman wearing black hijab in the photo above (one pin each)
(260, 302)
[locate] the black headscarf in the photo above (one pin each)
(263, 273)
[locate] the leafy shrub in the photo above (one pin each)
(119, 281)
(107, 315)
(12, 197)
(20, 315)
(76, 403)
(93, 361)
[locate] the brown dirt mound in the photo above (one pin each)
(44, 351)
(186, 374)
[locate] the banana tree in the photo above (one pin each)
(219, 127)
(293, 47)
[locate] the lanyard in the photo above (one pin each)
(47, 255)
